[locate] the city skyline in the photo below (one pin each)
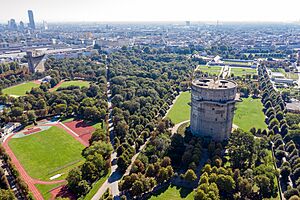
(142, 10)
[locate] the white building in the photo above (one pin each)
(9, 128)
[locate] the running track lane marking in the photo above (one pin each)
(68, 129)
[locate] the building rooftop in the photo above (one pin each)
(214, 84)
(294, 106)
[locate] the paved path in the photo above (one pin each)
(175, 128)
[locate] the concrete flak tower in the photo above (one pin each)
(35, 61)
(212, 108)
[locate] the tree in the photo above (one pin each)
(165, 162)
(207, 192)
(137, 188)
(97, 135)
(225, 184)
(16, 111)
(245, 187)
(100, 147)
(60, 108)
(137, 166)
(241, 149)
(7, 195)
(31, 116)
(83, 187)
(190, 175)
(73, 178)
(285, 172)
(291, 192)
(294, 197)
(162, 175)
(264, 183)
(123, 162)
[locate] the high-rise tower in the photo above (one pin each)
(212, 108)
(31, 19)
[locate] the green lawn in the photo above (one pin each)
(211, 70)
(45, 189)
(249, 114)
(96, 186)
(173, 193)
(73, 83)
(181, 110)
(242, 71)
(47, 153)
(21, 89)
(182, 128)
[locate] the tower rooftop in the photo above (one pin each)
(214, 84)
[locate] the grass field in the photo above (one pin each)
(181, 110)
(211, 70)
(74, 83)
(242, 71)
(47, 153)
(45, 189)
(21, 89)
(249, 114)
(173, 193)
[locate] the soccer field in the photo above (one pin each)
(236, 71)
(181, 110)
(21, 89)
(47, 153)
(249, 114)
(211, 70)
(73, 83)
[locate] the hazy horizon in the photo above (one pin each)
(151, 11)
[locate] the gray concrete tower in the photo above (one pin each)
(212, 108)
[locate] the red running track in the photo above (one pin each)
(57, 85)
(81, 128)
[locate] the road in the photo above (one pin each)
(298, 68)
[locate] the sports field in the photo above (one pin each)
(181, 110)
(73, 83)
(21, 89)
(211, 70)
(242, 71)
(249, 114)
(47, 153)
(174, 193)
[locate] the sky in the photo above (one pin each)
(151, 10)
